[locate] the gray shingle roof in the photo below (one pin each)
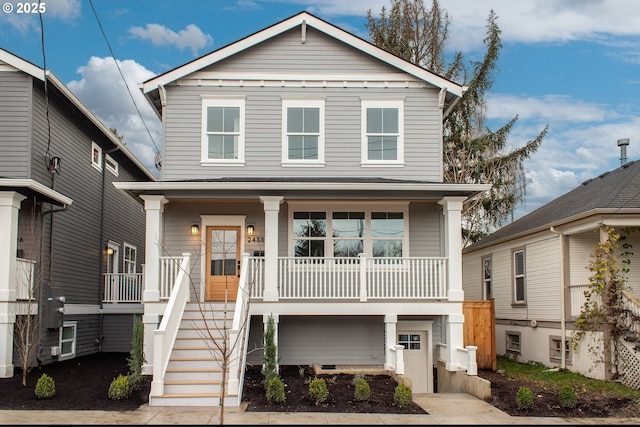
(619, 188)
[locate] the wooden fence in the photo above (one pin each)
(480, 330)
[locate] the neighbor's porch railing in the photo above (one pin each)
(355, 278)
(577, 299)
(122, 288)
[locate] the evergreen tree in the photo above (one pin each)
(473, 154)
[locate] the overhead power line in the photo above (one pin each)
(158, 163)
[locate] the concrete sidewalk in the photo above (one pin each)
(443, 408)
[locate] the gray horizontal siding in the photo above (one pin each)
(117, 332)
(15, 104)
(424, 229)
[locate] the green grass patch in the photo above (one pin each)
(546, 376)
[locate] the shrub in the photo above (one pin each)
(524, 398)
(318, 390)
(275, 391)
(363, 391)
(45, 387)
(136, 359)
(119, 388)
(568, 397)
(402, 396)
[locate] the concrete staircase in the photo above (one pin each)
(194, 371)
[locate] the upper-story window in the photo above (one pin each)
(129, 258)
(486, 278)
(519, 293)
(96, 156)
(382, 132)
(112, 165)
(222, 131)
(303, 132)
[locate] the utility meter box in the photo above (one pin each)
(55, 308)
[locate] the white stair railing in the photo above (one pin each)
(165, 336)
(238, 333)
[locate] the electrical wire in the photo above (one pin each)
(126, 85)
(46, 92)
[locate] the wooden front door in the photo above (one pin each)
(223, 263)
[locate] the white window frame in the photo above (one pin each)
(111, 165)
(555, 354)
(303, 103)
(397, 104)
(72, 354)
(204, 153)
(126, 263)
(510, 345)
(486, 281)
(516, 276)
(96, 149)
(402, 207)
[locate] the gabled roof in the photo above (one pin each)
(38, 73)
(454, 91)
(616, 191)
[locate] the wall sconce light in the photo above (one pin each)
(195, 230)
(109, 250)
(250, 230)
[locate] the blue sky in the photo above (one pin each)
(573, 65)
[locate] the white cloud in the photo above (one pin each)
(63, 9)
(190, 37)
(104, 92)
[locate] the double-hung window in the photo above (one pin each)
(222, 131)
(382, 132)
(309, 233)
(303, 132)
(129, 258)
(387, 234)
(519, 291)
(486, 278)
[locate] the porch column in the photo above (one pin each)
(390, 332)
(9, 209)
(452, 209)
(271, 210)
(455, 341)
(154, 207)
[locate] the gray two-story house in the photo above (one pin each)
(71, 245)
(301, 181)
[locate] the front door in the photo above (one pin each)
(223, 263)
(415, 359)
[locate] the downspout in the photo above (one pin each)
(563, 329)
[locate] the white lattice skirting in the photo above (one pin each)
(630, 364)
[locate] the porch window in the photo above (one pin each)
(348, 233)
(486, 278)
(68, 340)
(303, 128)
(518, 277)
(310, 233)
(223, 131)
(129, 260)
(387, 233)
(382, 138)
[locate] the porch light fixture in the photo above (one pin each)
(195, 230)
(250, 230)
(109, 250)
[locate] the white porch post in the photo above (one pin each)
(455, 340)
(390, 331)
(271, 210)
(154, 208)
(453, 244)
(9, 209)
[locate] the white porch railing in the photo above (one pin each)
(577, 299)
(355, 278)
(165, 336)
(25, 270)
(122, 288)
(631, 303)
(169, 268)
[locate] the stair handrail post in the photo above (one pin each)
(237, 349)
(164, 337)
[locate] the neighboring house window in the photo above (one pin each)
(486, 278)
(382, 132)
(111, 164)
(513, 342)
(68, 340)
(555, 349)
(129, 259)
(310, 233)
(222, 131)
(345, 233)
(303, 131)
(518, 277)
(96, 156)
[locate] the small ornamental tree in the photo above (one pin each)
(269, 358)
